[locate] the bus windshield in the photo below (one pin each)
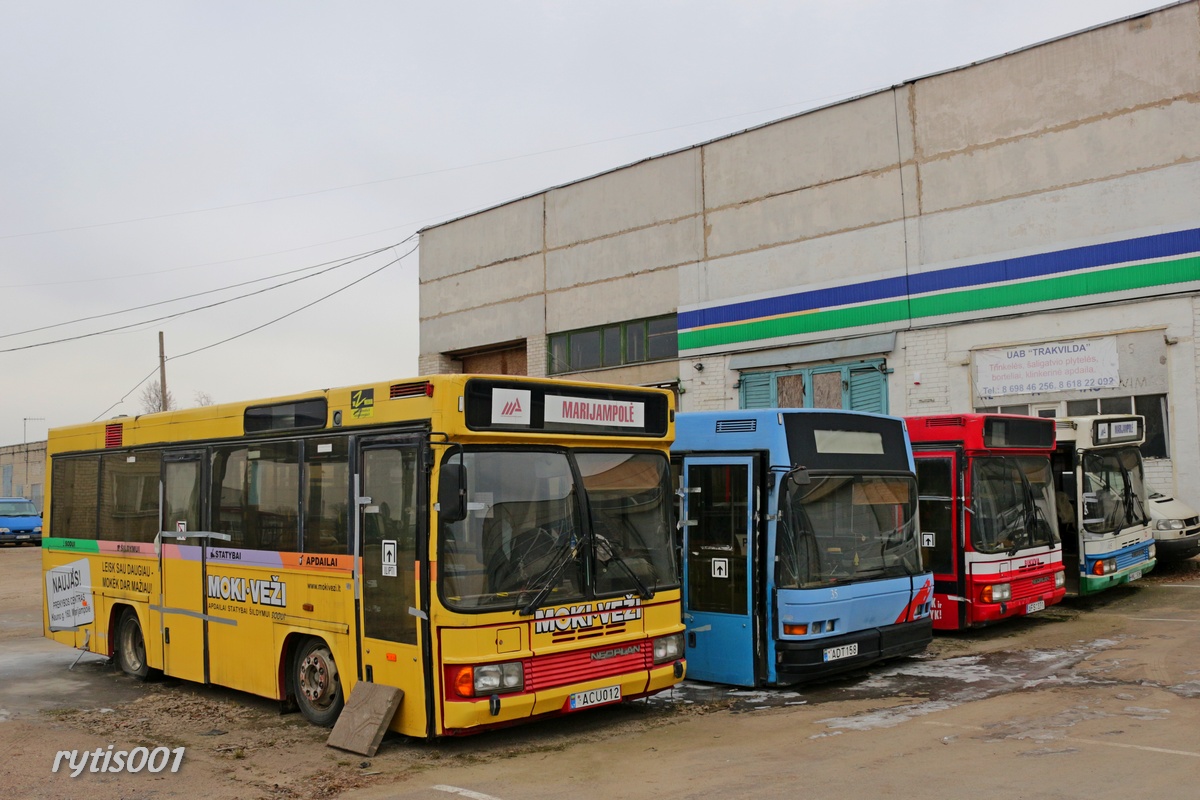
(558, 526)
(1013, 505)
(845, 528)
(1114, 490)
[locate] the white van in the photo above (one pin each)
(1176, 526)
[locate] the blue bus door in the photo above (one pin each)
(718, 520)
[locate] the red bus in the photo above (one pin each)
(989, 527)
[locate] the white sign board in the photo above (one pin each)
(587, 411)
(69, 595)
(389, 558)
(720, 568)
(510, 406)
(1073, 365)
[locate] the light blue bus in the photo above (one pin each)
(800, 545)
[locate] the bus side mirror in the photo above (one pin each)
(797, 476)
(452, 493)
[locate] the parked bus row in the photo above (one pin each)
(502, 549)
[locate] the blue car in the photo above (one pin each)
(20, 521)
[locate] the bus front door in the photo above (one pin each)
(390, 511)
(718, 514)
(940, 493)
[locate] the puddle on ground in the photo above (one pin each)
(934, 684)
(41, 675)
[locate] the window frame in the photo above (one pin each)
(631, 334)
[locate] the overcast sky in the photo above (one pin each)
(159, 154)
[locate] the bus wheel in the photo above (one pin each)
(318, 690)
(131, 646)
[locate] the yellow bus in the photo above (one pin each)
(499, 548)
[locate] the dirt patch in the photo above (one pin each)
(1174, 571)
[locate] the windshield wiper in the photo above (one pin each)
(644, 591)
(568, 551)
(1130, 497)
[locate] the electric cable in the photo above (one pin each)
(346, 261)
(173, 316)
(258, 327)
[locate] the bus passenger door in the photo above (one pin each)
(392, 488)
(939, 512)
(181, 568)
(718, 519)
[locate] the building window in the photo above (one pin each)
(1151, 406)
(614, 345)
(859, 386)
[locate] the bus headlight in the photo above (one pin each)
(489, 679)
(997, 593)
(1060, 579)
(1168, 525)
(1105, 566)
(668, 648)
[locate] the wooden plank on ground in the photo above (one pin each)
(367, 714)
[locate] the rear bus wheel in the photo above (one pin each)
(318, 690)
(131, 646)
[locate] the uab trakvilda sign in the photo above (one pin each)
(1072, 365)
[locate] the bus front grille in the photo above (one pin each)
(559, 669)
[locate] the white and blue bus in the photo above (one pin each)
(800, 545)
(1103, 503)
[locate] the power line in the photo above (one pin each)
(217, 263)
(346, 261)
(131, 391)
(296, 311)
(171, 316)
(258, 327)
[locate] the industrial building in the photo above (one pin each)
(1020, 234)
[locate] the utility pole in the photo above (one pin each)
(162, 374)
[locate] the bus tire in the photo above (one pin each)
(131, 646)
(315, 679)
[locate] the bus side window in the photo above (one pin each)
(129, 496)
(74, 506)
(326, 476)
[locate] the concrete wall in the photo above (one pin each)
(27, 463)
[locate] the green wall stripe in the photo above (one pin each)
(1066, 287)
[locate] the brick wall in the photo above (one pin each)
(926, 375)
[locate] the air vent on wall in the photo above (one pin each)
(737, 425)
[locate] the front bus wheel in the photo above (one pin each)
(318, 690)
(131, 646)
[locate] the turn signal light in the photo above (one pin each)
(795, 630)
